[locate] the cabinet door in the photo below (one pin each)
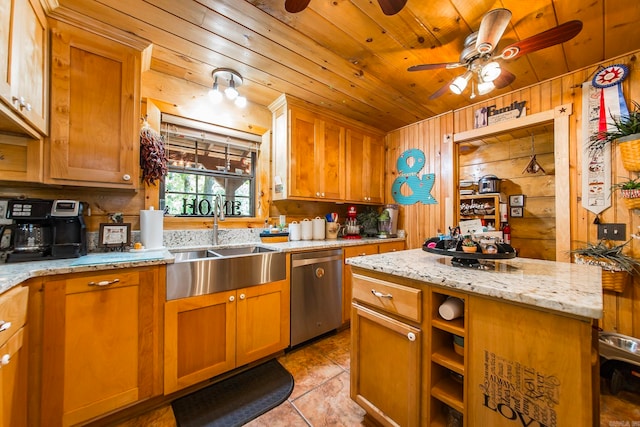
(303, 179)
(347, 279)
(330, 168)
(13, 391)
(29, 61)
(385, 367)
(199, 339)
(365, 163)
(100, 343)
(95, 107)
(263, 321)
(6, 20)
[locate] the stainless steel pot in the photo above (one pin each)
(489, 184)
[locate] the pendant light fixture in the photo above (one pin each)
(232, 79)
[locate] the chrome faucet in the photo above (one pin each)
(218, 213)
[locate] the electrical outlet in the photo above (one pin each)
(612, 231)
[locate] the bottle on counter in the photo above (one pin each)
(506, 233)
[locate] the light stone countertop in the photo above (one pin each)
(13, 274)
(564, 287)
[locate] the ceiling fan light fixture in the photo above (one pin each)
(460, 83)
(485, 87)
(490, 71)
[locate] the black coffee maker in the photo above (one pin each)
(46, 229)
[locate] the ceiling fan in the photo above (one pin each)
(389, 7)
(479, 59)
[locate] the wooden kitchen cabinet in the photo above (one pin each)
(95, 110)
(208, 335)
(308, 161)
(13, 360)
(24, 67)
(100, 343)
(365, 167)
(385, 352)
(310, 155)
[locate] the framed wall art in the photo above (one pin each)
(516, 200)
(114, 235)
(517, 212)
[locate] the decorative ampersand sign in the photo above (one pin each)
(408, 175)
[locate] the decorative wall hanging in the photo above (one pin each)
(602, 98)
(409, 164)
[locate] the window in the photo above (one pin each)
(204, 160)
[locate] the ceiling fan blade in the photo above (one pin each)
(435, 66)
(554, 36)
(491, 29)
(504, 79)
(295, 6)
(441, 91)
(391, 7)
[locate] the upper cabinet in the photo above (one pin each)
(95, 110)
(24, 43)
(365, 167)
(315, 153)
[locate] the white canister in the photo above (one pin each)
(294, 231)
(318, 228)
(451, 308)
(307, 229)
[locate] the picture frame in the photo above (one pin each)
(516, 200)
(114, 235)
(517, 212)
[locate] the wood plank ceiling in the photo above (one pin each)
(348, 56)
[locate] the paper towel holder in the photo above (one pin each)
(114, 236)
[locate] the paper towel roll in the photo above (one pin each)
(151, 228)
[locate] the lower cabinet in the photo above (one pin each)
(386, 352)
(208, 335)
(100, 343)
(13, 360)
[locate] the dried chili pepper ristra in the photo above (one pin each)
(153, 160)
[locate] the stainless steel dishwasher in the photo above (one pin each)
(316, 294)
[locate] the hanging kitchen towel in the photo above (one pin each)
(151, 228)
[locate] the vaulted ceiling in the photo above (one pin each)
(348, 56)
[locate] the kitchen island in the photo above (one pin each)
(525, 353)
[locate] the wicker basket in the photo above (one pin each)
(630, 152)
(631, 198)
(613, 279)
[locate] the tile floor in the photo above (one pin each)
(321, 394)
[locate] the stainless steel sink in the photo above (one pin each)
(223, 269)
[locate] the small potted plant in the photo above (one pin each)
(468, 245)
(630, 191)
(625, 133)
(616, 266)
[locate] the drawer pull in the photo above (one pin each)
(380, 294)
(5, 360)
(4, 325)
(242, 296)
(411, 336)
(232, 298)
(104, 282)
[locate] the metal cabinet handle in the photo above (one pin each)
(380, 294)
(242, 296)
(232, 298)
(5, 359)
(4, 325)
(411, 336)
(362, 254)
(104, 282)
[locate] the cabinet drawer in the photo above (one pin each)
(391, 247)
(13, 311)
(396, 299)
(360, 250)
(111, 279)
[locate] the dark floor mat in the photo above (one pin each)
(236, 400)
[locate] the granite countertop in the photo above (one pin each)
(13, 274)
(560, 286)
